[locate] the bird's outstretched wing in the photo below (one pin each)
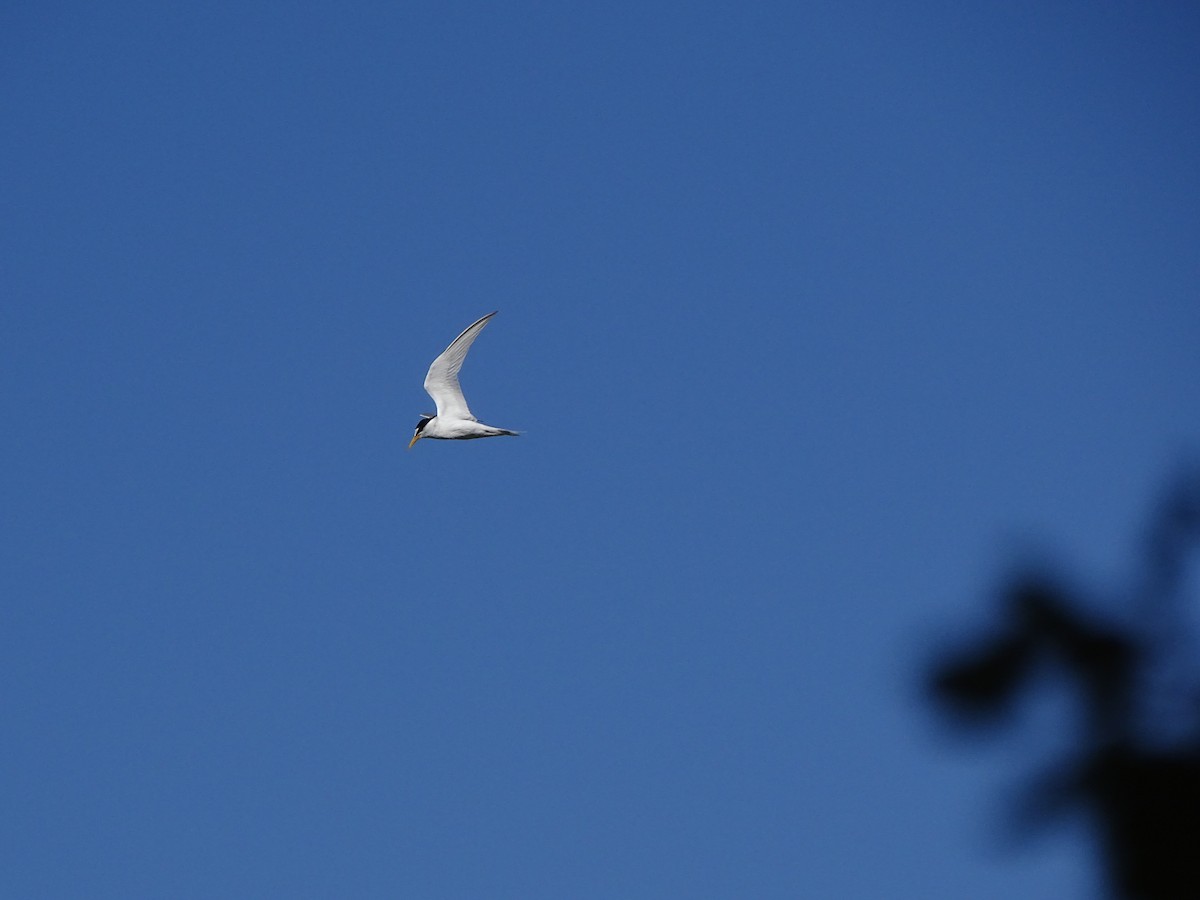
(442, 381)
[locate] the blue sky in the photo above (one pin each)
(813, 317)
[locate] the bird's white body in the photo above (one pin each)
(453, 421)
(444, 429)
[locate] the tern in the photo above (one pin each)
(453, 420)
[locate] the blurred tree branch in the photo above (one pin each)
(1142, 794)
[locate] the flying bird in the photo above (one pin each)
(453, 420)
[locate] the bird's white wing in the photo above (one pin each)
(442, 381)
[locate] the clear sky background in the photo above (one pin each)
(812, 315)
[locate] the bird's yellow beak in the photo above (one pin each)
(416, 437)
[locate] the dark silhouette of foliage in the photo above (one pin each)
(1140, 790)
